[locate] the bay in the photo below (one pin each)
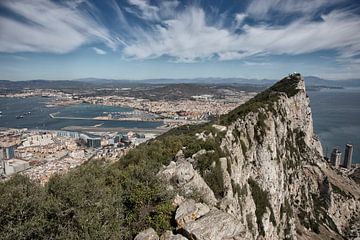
(336, 116)
(40, 119)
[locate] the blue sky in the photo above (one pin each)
(139, 39)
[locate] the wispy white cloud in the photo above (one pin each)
(239, 19)
(189, 37)
(49, 27)
(144, 10)
(99, 51)
(334, 31)
(262, 8)
(250, 63)
(119, 13)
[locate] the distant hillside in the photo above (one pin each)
(316, 81)
(66, 84)
(86, 83)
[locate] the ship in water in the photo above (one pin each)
(22, 116)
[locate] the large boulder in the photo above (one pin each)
(182, 175)
(216, 225)
(190, 211)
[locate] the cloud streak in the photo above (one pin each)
(263, 8)
(99, 51)
(188, 37)
(49, 27)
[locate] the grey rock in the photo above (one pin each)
(190, 211)
(179, 155)
(168, 235)
(199, 153)
(148, 234)
(183, 176)
(216, 225)
(184, 173)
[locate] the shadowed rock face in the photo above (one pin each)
(276, 183)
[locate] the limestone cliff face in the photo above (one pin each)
(276, 184)
(276, 149)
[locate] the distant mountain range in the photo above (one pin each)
(311, 81)
(316, 81)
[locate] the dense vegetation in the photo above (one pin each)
(94, 201)
(102, 201)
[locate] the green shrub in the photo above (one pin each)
(212, 175)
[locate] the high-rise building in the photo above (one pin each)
(335, 157)
(7, 152)
(348, 156)
(118, 138)
(2, 167)
(91, 140)
(94, 142)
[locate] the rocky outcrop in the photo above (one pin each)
(189, 211)
(215, 225)
(276, 184)
(182, 175)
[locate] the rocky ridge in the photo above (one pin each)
(267, 180)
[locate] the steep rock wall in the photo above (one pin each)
(276, 183)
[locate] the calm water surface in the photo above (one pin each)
(39, 118)
(336, 115)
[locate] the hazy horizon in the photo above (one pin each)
(167, 78)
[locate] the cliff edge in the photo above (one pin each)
(264, 176)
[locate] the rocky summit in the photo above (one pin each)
(266, 178)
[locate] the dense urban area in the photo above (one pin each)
(41, 153)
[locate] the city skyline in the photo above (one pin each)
(138, 39)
